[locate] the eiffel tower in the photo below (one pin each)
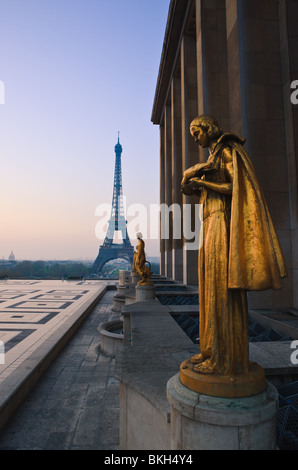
(117, 223)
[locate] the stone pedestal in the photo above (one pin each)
(122, 288)
(212, 423)
(122, 278)
(119, 298)
(145, 293)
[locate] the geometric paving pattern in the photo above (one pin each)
(74, 406)
(30, 311)
(14, 337)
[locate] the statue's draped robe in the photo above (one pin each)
(240, 252)
(140, 258)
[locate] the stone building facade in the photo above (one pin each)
(235, 60)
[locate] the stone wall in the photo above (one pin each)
(153, 355)
(147, 363)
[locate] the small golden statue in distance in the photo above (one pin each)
(240, 253)
(139, 263)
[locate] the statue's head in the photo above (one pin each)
(205, 129)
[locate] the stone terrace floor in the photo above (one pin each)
(75, 403)
(74, 406)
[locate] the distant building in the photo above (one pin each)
(10, 261)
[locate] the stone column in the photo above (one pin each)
(257, 113)
(162, 196)
(212, 66)
(177, 243)
(168, 190)
(190, 154)
(201, 422)
(233, 57)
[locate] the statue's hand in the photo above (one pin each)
(192, 186)
(190, 173)
(196, 183)
(187, 189)
(184, 181)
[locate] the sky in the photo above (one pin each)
(73, 74)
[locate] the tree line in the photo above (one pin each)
(44, 270)
(52, 270)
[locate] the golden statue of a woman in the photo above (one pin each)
(240, 251)
(139, 263)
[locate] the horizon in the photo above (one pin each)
(65, 259)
